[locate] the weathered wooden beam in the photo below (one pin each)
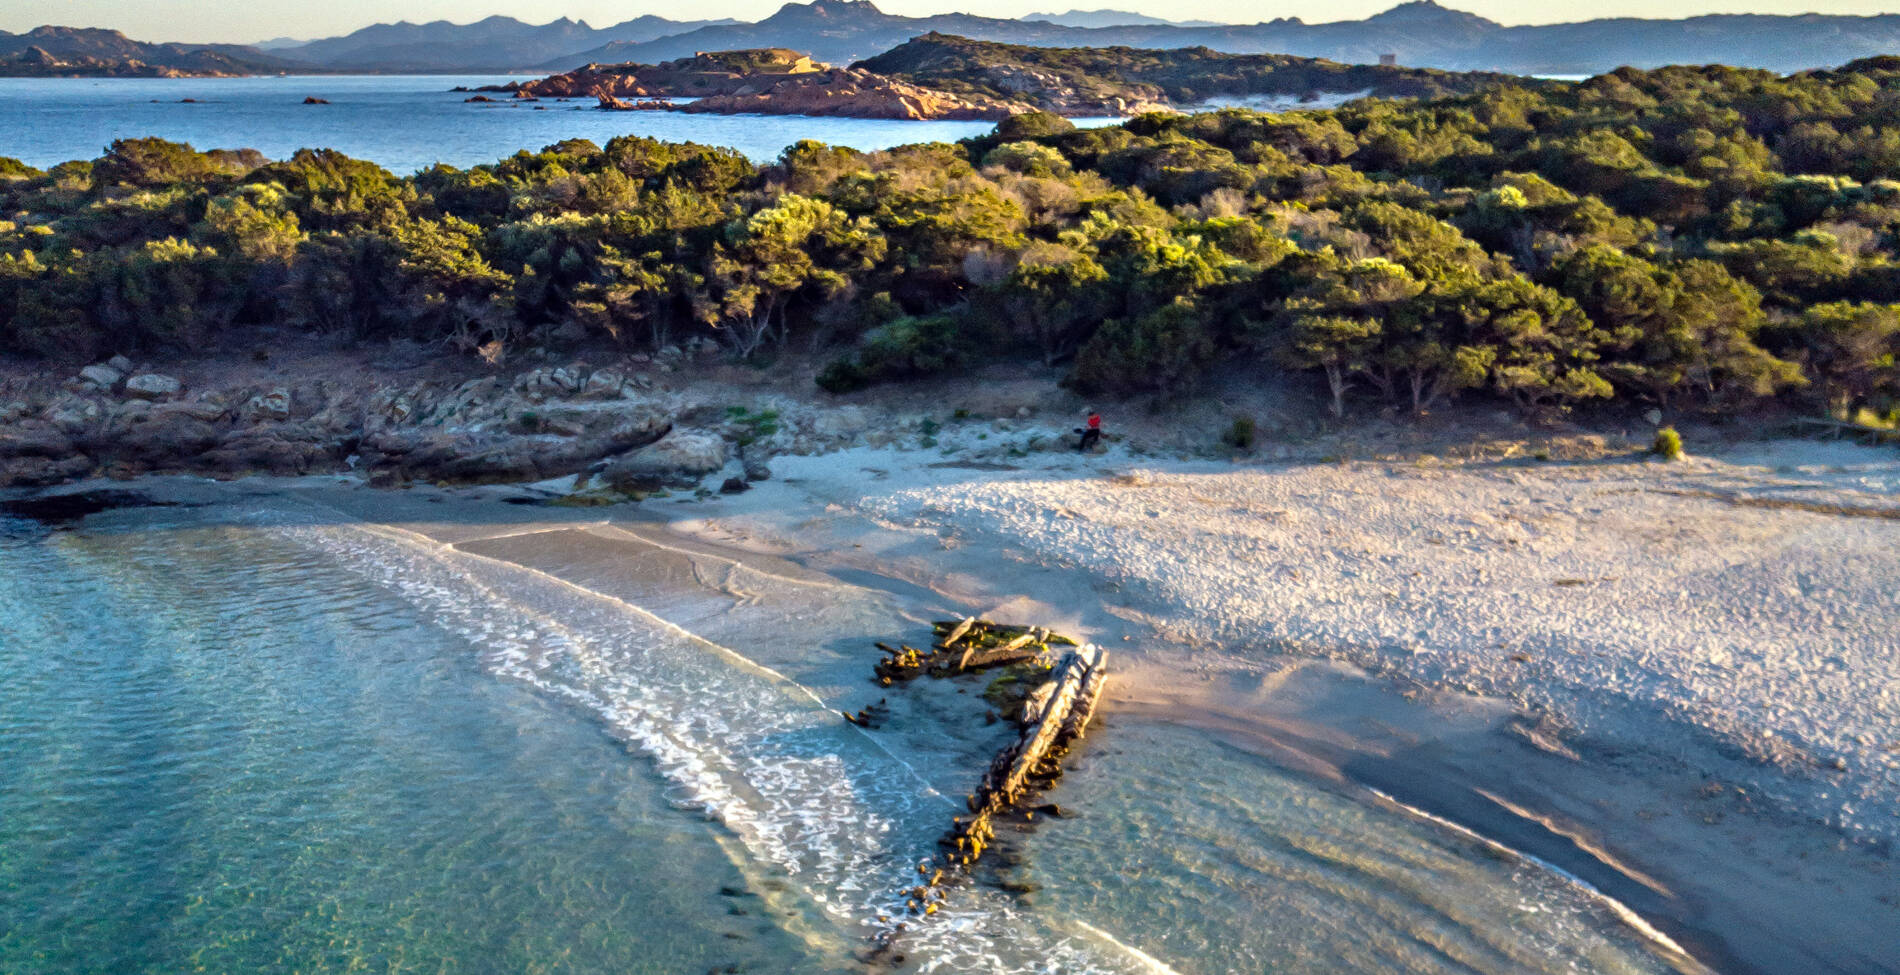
(957, 634)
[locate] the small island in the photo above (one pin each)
(941, 76)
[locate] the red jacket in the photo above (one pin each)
(1095, 421)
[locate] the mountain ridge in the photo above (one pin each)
(1421, 33)
(53, 51)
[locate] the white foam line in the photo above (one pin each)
(1153, 964)
(1680, 956)
(744, 662)
(990, 920)
(527, 532)
(724, 651)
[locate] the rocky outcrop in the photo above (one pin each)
(854, 93)
(541, 423)
(628, 426)
(680, 459)
(722, 84)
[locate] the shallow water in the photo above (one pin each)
(267, 735)
(223, 752)
(404, 123)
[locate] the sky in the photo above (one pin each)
(247, 21)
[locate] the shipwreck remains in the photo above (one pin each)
(1053, 715)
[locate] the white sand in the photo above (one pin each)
(1639, 669)
(1614, 599)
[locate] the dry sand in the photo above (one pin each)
(1680, 682)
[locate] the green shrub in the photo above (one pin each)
(764, 423)
(1241, 435)
(11, 168)
(911, 346)
(1163, 350)
(1668, 444)
(1032, 125)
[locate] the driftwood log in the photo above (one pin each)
(1053, 716)
(967, 644)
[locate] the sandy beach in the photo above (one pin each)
(1675, 681)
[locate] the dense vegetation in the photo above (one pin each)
(1701, 238)
(1058, 78)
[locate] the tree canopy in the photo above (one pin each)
(1698, 238)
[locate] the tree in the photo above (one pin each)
(798, 245)
(1853, 353)
(1337, 345)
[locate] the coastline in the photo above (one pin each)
(1691, 712)
(1729, 836)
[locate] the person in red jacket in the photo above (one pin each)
(1091, 434)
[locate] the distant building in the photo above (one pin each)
(1388, 60)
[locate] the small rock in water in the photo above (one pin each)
(734, 485)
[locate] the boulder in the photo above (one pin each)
(98, 377)
(679, 459)
(548, 382)
(272, 405)
(165, 440)
(604, 384)
(73, 414)
(121, 363)
(34, 438)
(152, 386)
(840, 424)
(204, 410)
(120, 415)
(494, 456)
(286, 449)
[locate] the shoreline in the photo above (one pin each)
(1741, 856)
(1745, 854)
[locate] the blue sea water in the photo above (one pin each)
(404, 123)
(224, 754)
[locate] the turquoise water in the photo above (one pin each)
(267, 735)
(223, 754)
(404, 123)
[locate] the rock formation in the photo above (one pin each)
(614, 424)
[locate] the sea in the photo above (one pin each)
(320, 729)
(403, 123)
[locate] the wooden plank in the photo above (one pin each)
(962, 628)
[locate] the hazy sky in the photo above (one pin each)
(244, 21)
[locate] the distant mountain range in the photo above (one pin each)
(52, 52)
(1113, 18)
(496, 44)
(1417, 34)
